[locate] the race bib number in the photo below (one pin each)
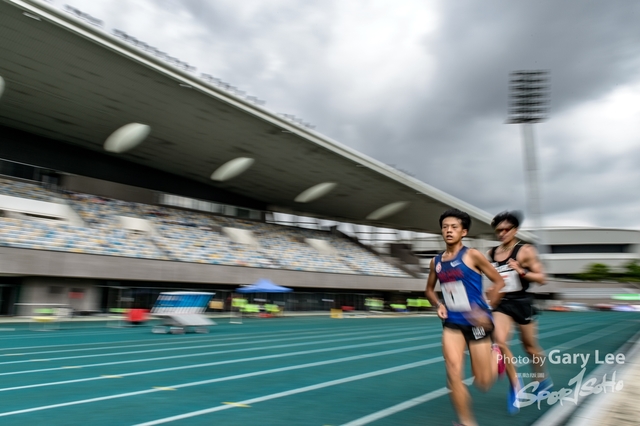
(455, 296)
(511, 281)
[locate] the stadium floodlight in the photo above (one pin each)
(529, 96)
(528, 104)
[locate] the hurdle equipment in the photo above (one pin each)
(182, 311)
(45, 316)
(117, 318)
(237, 308)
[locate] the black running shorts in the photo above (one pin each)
(521, 310)
(471, 333)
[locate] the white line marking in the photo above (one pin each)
(231, 377)
(259, 373)
(295, 391)
(213, 345)
(242, 339)
(231, 361)
(444, 391)
(201, 365)
(200, 354)
(224, 379)
(404, 405)
(154, 338)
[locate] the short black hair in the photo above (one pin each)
(459, 214)
(514, 217)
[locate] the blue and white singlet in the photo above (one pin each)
(461, 287)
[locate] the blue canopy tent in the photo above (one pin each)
(263, 286)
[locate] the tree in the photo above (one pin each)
(597, 272)
(632, 270)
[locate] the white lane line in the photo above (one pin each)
(360, 334)
(563, 330)
(444, 391)
(224, 379)
(75, 332)
(593, 336)
(217, 344)
(234, 377)
(190, 339)
(201, 354)
(135, 361)
(126, 343)
(58, 334)
(295, 391)
(404, 405)
(92, 332)
(231, 361)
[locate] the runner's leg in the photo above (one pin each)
(453, 348)
(501, 335)
(484, 364)
(529, 336)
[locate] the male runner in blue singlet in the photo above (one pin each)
(518, 264)
(467, 321)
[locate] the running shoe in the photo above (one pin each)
(501, 365)
(513, 405)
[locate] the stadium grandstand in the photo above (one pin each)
(126, 173)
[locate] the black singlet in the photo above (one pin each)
(504, 269)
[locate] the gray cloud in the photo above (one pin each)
(424, 86)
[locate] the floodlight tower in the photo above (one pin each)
(528, 104)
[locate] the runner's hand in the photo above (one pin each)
(442, 311)
(515, 265)
(493, 297)
(479, 317)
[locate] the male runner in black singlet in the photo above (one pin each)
(518, 264)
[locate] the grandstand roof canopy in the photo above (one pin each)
(70, 81)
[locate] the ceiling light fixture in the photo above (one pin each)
(315, 192)
(388, 210)
(232, 168)
(126, 137)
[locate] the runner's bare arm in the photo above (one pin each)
(528, 265)
(431, 293)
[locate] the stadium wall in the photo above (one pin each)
(80, 295)
(40, 267)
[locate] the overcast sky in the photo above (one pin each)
(423, 86)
